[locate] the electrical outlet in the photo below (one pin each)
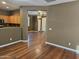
(11, 38)
(50, 28)
(69, 44)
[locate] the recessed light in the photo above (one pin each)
(3, 2)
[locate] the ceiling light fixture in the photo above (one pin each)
(3, 2)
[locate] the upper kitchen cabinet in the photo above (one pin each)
(15, 17)
(11, 18)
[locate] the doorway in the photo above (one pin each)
(36, 26)
(37, 21)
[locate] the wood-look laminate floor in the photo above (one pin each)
(35, 49)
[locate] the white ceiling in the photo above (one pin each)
(15, 4)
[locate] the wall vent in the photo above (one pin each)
(49, 1)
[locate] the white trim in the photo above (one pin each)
(33, 31)
(10, 43)
(77, 51)
(13, 43)
(24, 40)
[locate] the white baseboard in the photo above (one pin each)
(63, 47)
(9, 44)
(33, 31)
(1, 46)
(45, 42)
(24, 40)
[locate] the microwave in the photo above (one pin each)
(1, 22)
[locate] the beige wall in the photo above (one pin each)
(9, 32)
(64, 21)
